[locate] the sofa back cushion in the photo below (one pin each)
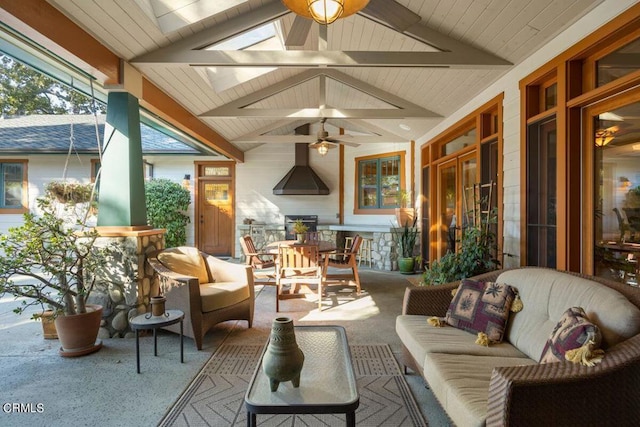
(185, 260)
(546, 294)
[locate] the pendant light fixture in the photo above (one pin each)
(325, 11)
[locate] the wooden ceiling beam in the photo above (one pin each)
(313, 59)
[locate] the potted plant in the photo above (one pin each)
(405, 238)
(300, 229)
(476, 255)
(53, 265)
(404, 213)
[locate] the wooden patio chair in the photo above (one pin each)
(262, 263)
(343, 260)
(298, 264)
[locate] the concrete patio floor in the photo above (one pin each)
(40, 388)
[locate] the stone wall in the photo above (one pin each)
(126, 285)
(383, 246)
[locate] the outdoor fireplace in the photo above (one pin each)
(310, 221)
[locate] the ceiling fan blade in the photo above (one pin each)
(299, 31)
(340, 141)
(390, 13)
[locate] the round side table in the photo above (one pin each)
(147, 321)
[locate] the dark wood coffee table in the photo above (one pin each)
(327, 381)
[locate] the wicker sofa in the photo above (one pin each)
(504, 384)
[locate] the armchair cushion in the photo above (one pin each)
(222, 294)
(185, 260)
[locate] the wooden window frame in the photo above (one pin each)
(575, 71)
(25, 188)
(403, 185)
(489, 124)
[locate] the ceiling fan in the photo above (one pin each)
(387, 12)
(326, 142)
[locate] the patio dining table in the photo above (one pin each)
(324, 246)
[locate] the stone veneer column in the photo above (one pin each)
(126, 285)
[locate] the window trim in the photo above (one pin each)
(25, 188)
(403, 182)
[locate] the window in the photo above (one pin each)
(13, 186)
(379, 180)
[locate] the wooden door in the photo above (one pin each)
(215, 209)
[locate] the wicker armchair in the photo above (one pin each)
(207, 289)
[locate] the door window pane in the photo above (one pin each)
(459, 143)
(216, 192)
(617, 193)
(618, 63)
(541, 194)
(447, 210)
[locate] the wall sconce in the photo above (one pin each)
(186, 182)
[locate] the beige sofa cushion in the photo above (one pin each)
(461, 383)
(185, 260)
(222, 294)
(546, 294)
(420, 338)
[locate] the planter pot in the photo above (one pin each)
(78, 332)
(48, 326)
(405, 265)
(300, 238)
(405, 216)
(157, 305)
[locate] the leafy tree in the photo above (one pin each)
(25, 91)
(167, 202)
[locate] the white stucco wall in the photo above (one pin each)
(508, 84)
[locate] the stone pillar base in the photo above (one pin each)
(125, 286)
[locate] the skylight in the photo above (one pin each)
(264, 37)
(172, 15)
(247, 40)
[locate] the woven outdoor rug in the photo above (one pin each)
(216, 396)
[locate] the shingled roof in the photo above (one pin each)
(51, 134)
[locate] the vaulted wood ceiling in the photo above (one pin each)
(408, 62)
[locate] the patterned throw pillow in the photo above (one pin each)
(572, 331)
(481, 307)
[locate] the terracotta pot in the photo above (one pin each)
(78, 332)
(405, 216)
(283, 358)
(48, 326)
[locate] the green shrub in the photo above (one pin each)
(167, 203)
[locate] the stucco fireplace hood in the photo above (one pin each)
(301, 179)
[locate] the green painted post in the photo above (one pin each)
(122, 199)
